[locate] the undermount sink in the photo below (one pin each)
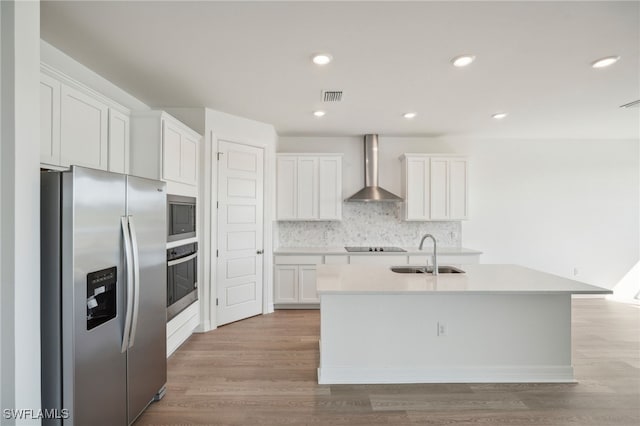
(421, 270)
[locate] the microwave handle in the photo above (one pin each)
(182, 260)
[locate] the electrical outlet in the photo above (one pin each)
(442, 329)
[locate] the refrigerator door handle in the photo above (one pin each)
(136, 281)
(129, 282)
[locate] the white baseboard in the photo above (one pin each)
(343, 375)
(180, 328)
(298, 306)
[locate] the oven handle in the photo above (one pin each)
(182, 259)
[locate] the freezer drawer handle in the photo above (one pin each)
(129, 283)
(136, 281)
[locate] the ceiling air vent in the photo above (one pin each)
(331, 95)
(634, 104)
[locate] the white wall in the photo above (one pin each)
(20, 195)
(553, 205)
(59, 60)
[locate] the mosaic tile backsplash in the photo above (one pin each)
(366, 224)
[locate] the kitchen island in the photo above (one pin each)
(493, 323)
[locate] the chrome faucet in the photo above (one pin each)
(435, 252)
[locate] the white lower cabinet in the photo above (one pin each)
(307, 284)
(295, 284)
(295, 280)
(286, 284)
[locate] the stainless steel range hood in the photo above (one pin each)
(371, 190)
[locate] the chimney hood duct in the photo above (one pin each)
(371, 190)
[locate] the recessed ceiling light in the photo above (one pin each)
(322, 58)
(409, 115)
(319, 113)
(462, 60)
(605, 62)
(499, 115)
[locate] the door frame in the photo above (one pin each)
(209, 309)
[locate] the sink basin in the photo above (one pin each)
(421, 270)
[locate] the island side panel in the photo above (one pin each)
(393, 338)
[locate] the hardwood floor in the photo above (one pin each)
(262, 371)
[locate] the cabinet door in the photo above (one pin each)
(171, 151)
(458, 200)
(189, 160)
(49, 120)
(439, 184)
(330, 188)
(307, 283)
(83, 128)
(286, 188)
(307, 188)
(118, 142)
(285, 284)
(417, 189)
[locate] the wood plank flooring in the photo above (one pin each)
(262, 371)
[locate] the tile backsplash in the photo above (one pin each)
(366, 224)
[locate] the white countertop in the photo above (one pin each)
(478, 279)
(410, 251)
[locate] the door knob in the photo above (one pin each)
(259, 252)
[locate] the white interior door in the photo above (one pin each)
(240, 231)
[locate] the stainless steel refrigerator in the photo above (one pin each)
(103, 296)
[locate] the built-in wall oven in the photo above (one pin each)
(181, 217)
(182, 278)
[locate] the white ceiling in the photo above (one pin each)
(253, 59)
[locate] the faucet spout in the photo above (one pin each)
(435, 252)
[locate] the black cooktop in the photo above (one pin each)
(364, 249)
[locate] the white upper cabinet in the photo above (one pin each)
(79, 126)
(164, 148)
(330, 187)
(309, 187)
(118, 142)
(435, 187)
(458, 188)
(83, 130)
(49, 120)
(287, 187)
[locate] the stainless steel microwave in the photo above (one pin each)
(181, 217)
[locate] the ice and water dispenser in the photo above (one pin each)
(101, 296)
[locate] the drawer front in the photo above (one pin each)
(297, 260)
